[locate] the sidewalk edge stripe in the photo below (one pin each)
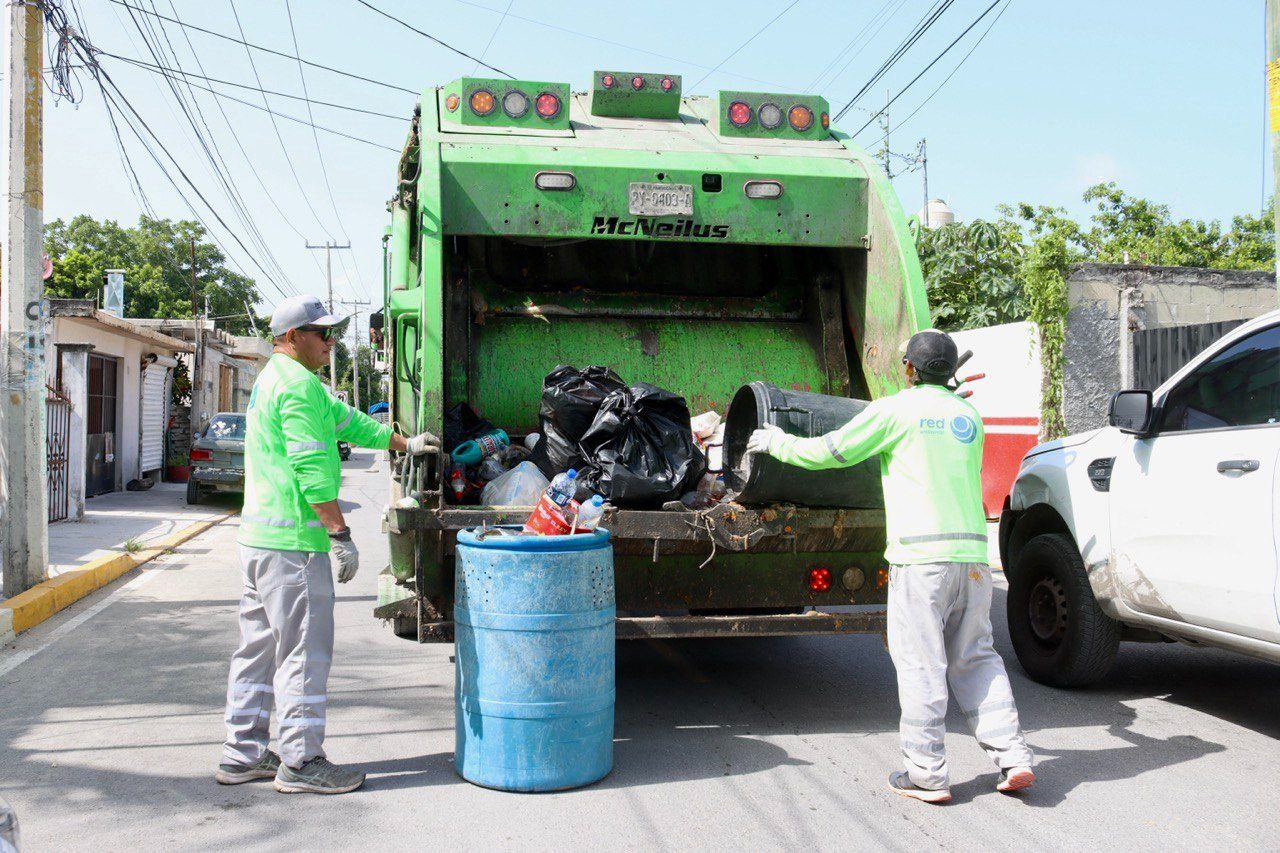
(37, 604)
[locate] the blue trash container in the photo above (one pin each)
(534, 633)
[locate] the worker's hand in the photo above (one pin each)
(763, 439)
(345, 556)
(423, 442)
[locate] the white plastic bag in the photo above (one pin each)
(521, 486)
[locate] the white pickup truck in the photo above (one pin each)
(1161, 527)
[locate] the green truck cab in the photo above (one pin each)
(694, 243)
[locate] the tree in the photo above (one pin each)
(156, 258)
(970, 270)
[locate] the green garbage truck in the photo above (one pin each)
(695, 243)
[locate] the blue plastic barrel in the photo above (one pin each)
(534, 630)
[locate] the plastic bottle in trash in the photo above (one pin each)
(473, 451)
(550, 517)
(458, 482)
(589, 515)
(491, 469)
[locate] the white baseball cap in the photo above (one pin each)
(302, 311)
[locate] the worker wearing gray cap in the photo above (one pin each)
(930, 445)
(290, 525)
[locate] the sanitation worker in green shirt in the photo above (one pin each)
(290, 524)
(930, 446)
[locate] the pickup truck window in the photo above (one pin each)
(1239, 386)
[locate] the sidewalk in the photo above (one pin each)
(119, 532)
(116, 518)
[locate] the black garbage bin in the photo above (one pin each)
(760, 479)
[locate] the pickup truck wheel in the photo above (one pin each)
(1060, 634)
(193, 492)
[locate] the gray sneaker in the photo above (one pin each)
(238, 774)
(318, 776)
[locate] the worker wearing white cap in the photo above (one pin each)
(930, 445)
(290, 524)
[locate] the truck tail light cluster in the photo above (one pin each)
(523, 103)
(774, 116)
(820, 579)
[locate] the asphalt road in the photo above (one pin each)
(110, 731)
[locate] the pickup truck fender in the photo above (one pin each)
(1054, 494)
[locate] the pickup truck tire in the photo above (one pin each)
(193, 492)
(1060, 634)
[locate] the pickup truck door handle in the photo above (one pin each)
(1242, 465)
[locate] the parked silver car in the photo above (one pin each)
(217, 457)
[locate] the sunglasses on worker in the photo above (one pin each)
(326, 332)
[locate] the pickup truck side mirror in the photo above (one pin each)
(1131, 411)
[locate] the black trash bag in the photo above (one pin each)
(640, 448)
(462, 424)
(570, 399)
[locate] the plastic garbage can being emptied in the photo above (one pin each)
(534, 633)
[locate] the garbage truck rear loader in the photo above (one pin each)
(697, 244)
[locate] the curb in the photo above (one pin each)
(28, 609)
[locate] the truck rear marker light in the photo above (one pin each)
(770, 116)
(826, 121)
(555, 181)
(547, 105)
(482, 102)
(820, 579)
(608, 81)
(637, 82)
(515, 104)
(667, 83)
(801, 117)
(763, 189)
(451, 103)
(739, 114)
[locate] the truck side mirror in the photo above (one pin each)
(1130, 412)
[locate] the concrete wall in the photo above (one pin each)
(1096, 353)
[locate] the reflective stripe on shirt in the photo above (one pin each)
(831, 446)
(267, 522)
(943, 537)
(307, 445)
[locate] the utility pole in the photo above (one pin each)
(1273, 111)
(923, 160)
(23, 484)
(196, 361)
(355, 346)
(328, 271)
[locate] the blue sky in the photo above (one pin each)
(1165, 98)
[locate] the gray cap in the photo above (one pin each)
(933, 353)
(301, 311)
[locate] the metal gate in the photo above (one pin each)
(1160, 353)
(57, 439)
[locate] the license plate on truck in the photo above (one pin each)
(660, 199)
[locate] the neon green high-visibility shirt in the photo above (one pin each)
(291, 456)
(930, 446)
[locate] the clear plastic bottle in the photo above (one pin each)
(556, 506)
(589, 515)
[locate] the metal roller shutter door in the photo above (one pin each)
(154, 413)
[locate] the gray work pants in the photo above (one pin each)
(940, 632)
(286, 646)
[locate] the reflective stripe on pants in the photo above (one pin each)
(286, 646)
(940, 632)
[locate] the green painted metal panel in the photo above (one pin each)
(818, 110)
(524, 92)
(431, 271)
(490, 190)
(624, 100)
(705, 361)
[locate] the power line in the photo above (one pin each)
(611, 43)
(428, 35)
(493, 35)
(736, 50)
(324, 171)
(216, 161)
(936, 59)
(812, 87)
(166, 70)
(936, 11)
(259, 47)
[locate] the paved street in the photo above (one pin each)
(111, 730)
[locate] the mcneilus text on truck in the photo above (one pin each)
(522, 238)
